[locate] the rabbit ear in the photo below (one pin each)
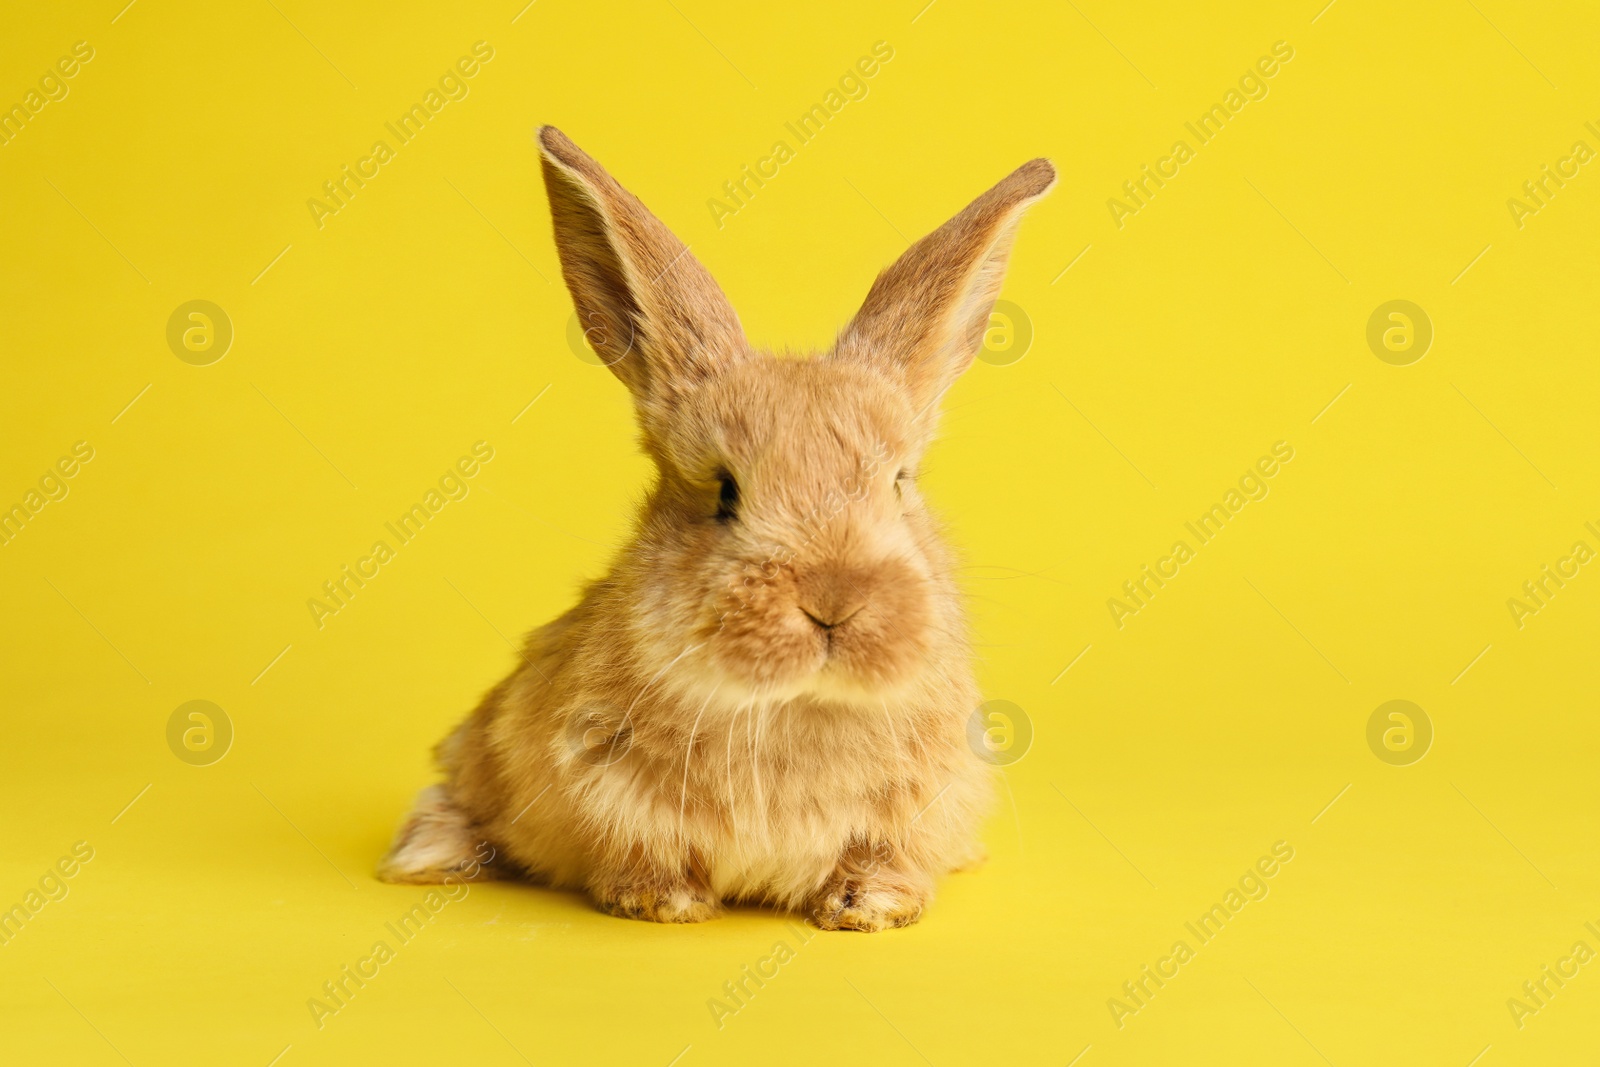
(647, 307)
(925, 317)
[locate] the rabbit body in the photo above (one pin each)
(768, 697)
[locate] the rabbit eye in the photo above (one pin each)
(727, 497)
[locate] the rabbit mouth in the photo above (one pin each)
(865, 633)
(870, 650)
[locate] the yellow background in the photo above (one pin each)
(1223, 317)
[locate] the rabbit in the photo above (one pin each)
(767, 698)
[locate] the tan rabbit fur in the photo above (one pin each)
(767, 698)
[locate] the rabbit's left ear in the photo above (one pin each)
(924, 318)
(647, 307)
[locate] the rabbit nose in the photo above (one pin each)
(830, 598)
(839, 618)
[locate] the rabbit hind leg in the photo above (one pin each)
(437, 841)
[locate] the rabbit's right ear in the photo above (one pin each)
(648, 308)
(924, 318)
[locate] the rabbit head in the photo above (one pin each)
(784, 551)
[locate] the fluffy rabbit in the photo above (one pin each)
(767, 698)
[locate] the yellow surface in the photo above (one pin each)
(1222, 317)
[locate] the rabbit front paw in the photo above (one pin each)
(657, 903)
(866, 902)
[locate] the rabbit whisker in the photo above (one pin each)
(688, 756)
(733, 811)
